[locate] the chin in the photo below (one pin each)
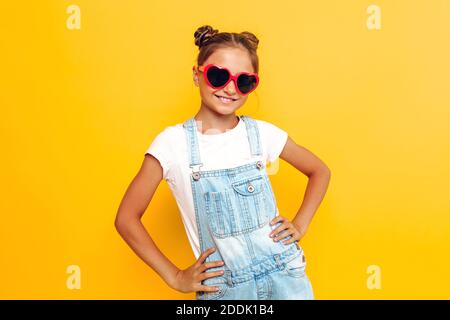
(225, 110)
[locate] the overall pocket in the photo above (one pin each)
(219, 214)
(254, 202)
(244, 207)
(296, 267)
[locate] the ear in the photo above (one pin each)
(195, 76)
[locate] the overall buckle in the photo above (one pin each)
(196, 174)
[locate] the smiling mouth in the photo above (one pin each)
(226, 98)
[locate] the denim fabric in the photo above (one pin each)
(233, 208)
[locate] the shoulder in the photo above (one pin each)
(268, 127)
(166, 147)
(168, 140)
(263, 123)
(273, 139)
(170, 133)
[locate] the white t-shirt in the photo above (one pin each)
(217, 151)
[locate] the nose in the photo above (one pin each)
(230, 88)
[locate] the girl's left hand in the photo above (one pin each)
(285, 229)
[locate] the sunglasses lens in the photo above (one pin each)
(246, 83)
(217, 77)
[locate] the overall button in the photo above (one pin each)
(196, 175)
(259, 165)
(250, 188)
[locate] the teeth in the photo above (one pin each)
(225, 99)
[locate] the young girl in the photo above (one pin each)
(215, 165)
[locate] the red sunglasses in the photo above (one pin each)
(218, 77)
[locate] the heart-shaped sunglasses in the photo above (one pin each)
(218, 77)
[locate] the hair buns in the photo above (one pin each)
(251, 39)
(204, 34)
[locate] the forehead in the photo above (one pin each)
(235, 59)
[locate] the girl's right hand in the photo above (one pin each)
(189, 279)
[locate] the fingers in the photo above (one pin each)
(276, 219)
(201, 266)
(291, 240)
(206, 275)
(208, 288)
(205, 254)
(283, 234)
(210, 264)
(278, 229)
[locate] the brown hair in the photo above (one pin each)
(208, 40)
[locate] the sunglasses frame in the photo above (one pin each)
(231, 77)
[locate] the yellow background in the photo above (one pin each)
(80, 107)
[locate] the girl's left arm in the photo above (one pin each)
(319, 176)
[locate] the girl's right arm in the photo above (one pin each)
(128, 224)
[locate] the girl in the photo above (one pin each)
(215, 165)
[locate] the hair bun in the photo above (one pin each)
(204, 34)
(251, 38)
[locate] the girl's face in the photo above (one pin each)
(236, 60)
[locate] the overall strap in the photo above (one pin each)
(190, 127)
(253, 135)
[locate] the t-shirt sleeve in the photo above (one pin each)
(274, 139)
(160, 148)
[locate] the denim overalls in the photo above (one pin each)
(233, 208)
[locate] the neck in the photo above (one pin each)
(209, 120)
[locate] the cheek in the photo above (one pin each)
(205, 90)
(242, 100)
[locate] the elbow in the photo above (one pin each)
(327, 171)
(322, 171)
(124, 220)
(120, 223)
